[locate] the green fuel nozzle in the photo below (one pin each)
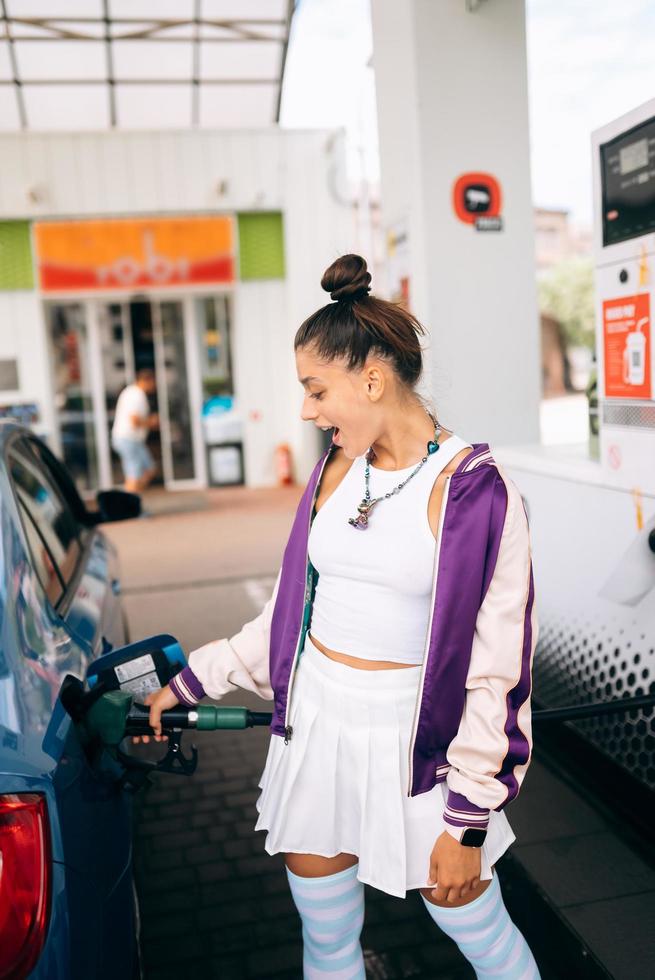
(115, 715)
(213, 719)
(203, 717)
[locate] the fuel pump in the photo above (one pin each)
(112, 708)
(624, 260)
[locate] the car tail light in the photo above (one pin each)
(25, 882)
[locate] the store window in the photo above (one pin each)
(222, 425)
(213, 319)
(174, 396)
(118, 367)
(69, 351)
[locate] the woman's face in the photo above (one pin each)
(340, 399)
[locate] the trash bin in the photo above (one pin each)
(225, 464)
(223, 436)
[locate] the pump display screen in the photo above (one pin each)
(628, 184)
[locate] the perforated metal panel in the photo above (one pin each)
(595, 604)
(642, 416)
(577, 662)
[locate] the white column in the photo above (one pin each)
(452, 99)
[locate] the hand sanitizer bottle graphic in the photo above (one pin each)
(634, 356)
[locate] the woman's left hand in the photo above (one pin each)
(454, 868)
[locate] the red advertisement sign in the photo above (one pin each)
(627, 346)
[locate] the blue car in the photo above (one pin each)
(68, 905)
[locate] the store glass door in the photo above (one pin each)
(141, 332)
(70, 364)
(127, 345)
(96, 349)
(117, 367)
(173, 390)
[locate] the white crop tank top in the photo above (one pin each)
(374, 587)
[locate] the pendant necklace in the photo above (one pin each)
(367, 505)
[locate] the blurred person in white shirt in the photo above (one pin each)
(132, 422)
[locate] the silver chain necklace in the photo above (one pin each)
(367, 505)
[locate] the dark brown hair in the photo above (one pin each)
(357, 323)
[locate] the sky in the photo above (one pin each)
(327, 79)
(589, 61)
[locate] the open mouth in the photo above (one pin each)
(334, 428)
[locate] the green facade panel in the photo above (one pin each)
(261, 245)
(16, 269)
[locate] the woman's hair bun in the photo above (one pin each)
(347, 278)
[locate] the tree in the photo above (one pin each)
(566, 292)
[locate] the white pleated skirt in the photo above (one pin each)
(340, 784)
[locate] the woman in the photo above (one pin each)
(401, 725)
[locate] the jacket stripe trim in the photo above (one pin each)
(483, 458)
(463, 818)
(492, 747)
(478, 449)
(186, 687)
(519, 743)
(286, 622)
(462, 812)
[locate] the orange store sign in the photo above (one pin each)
(128, 253)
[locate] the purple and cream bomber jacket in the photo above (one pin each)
(474, 724)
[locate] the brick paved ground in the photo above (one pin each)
(212, 900)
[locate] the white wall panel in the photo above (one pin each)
(146, 172)
(62, 178)
(257, 314)
(113, 188)
(22, 335)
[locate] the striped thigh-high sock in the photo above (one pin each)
(487, 937)
(332, 912)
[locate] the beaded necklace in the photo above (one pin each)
(367, 505)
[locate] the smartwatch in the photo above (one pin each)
(468, 836)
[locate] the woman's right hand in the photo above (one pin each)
(159, 701)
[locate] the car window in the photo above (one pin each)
(50, 526)
(63, 480)
(42, 560)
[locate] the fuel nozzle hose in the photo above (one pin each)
(202, 717)
(115, 715)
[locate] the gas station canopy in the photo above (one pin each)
(141, 64)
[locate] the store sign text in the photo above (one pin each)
(127, 253)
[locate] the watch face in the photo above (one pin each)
(473, 837)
